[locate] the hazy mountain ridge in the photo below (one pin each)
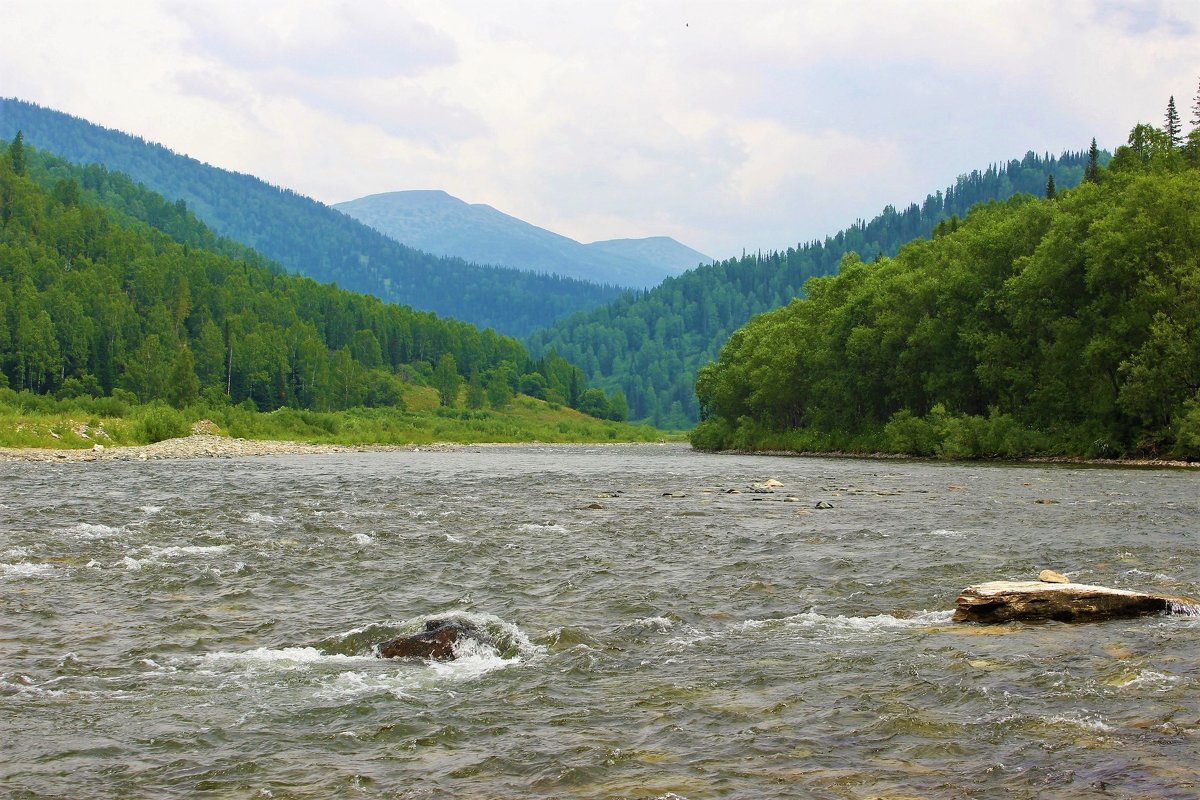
(437, 222)
(308, 237)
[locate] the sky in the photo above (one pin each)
(729, 126)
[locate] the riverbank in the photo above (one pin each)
(214, 446)
(195, 446)
(57, 430)
(208, 445)
(1096, 462)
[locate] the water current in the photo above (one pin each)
(664, 627)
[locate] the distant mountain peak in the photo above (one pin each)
(437, 222)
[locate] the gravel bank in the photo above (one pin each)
(196, 446)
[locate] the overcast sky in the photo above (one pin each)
(726, 125)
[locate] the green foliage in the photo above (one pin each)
(159, 421)
(594, 403)
(16, 153)
(1172, 127)
(447, 380)
(302, 234)
(1188, 429)
(651, 345)
(38, 420)
(96, 301)
(1051, 327)
(534, 385)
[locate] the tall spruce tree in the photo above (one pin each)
(16, 152)
(1050, 191)
(1172, 125)
(1091, 172)
(1196, 110)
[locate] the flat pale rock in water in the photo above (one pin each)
(1050, 576)
(1006, 601)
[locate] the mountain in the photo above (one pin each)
(1068, 325)
(660, 251)
(310, 238)
(437, 222)
(650, 345)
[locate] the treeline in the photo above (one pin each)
(650, 345)
(1068, 325)
(107, 288)
(308, 237)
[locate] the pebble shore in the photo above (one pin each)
(196, 446)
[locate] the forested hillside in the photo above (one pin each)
(651, 344)
(106, 287)
(310, 238)
(1067, 325)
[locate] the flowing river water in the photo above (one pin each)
(204, 628)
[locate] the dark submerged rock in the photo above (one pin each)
(436, 642)
(1037, 601)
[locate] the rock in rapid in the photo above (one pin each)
(1006, 601)
(436, 642)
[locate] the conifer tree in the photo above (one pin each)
(1173, 127)
(1050, 191)
(1196, 110)
(1091, 172)
(16, 152)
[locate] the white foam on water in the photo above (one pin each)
(187, 550)
(358, 684)
(156, 555)
(89, 530)
(1157, 577)
(549, 527)
(362, 538)
(1081, 719)
(1176, 608)
(659, 623)
(283, 658)
(150, 509)
(472, 660)
(947, 534)
(690, 636)
(854, 625)
(257, 518)
(16, 552)
(1149, 679)
(25, 570)
(24, 684)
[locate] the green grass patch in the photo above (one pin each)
(28, 420)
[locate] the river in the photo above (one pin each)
(664, 626)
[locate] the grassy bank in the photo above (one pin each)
(28, 420)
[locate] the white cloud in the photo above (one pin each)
(755, 125)
(317, 40)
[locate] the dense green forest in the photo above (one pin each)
(309, 238)
(1064, 325)
(650, 345)
(108, 289)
